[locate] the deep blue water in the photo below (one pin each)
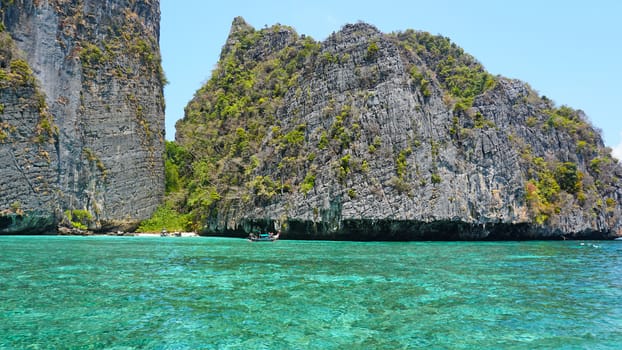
(200, 293)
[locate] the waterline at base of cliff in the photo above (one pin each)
(405, 230)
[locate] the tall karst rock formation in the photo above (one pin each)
(386, 136)
(81, 114)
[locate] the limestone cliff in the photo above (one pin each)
(82, 137)
(386, 136)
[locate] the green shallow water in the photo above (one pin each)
(199, 293)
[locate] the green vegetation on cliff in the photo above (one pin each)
(14, 70)
(125, 39)
(173, 214)
(234, 115)
(17, 76)
(554, 185)
(460, 74)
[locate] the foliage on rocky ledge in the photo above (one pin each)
(16, 76)
(460, 74)
(235, 116)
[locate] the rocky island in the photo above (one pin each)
(363, 136)
(81, 114)
(374, 136)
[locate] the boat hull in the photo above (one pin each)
(263, 238)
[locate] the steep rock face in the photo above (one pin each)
(97, 66)
(375, 136)
(28, 141)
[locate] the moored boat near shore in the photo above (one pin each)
(264, 237)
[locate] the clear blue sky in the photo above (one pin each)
(569, 51)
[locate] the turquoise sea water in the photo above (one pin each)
(200, 293)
